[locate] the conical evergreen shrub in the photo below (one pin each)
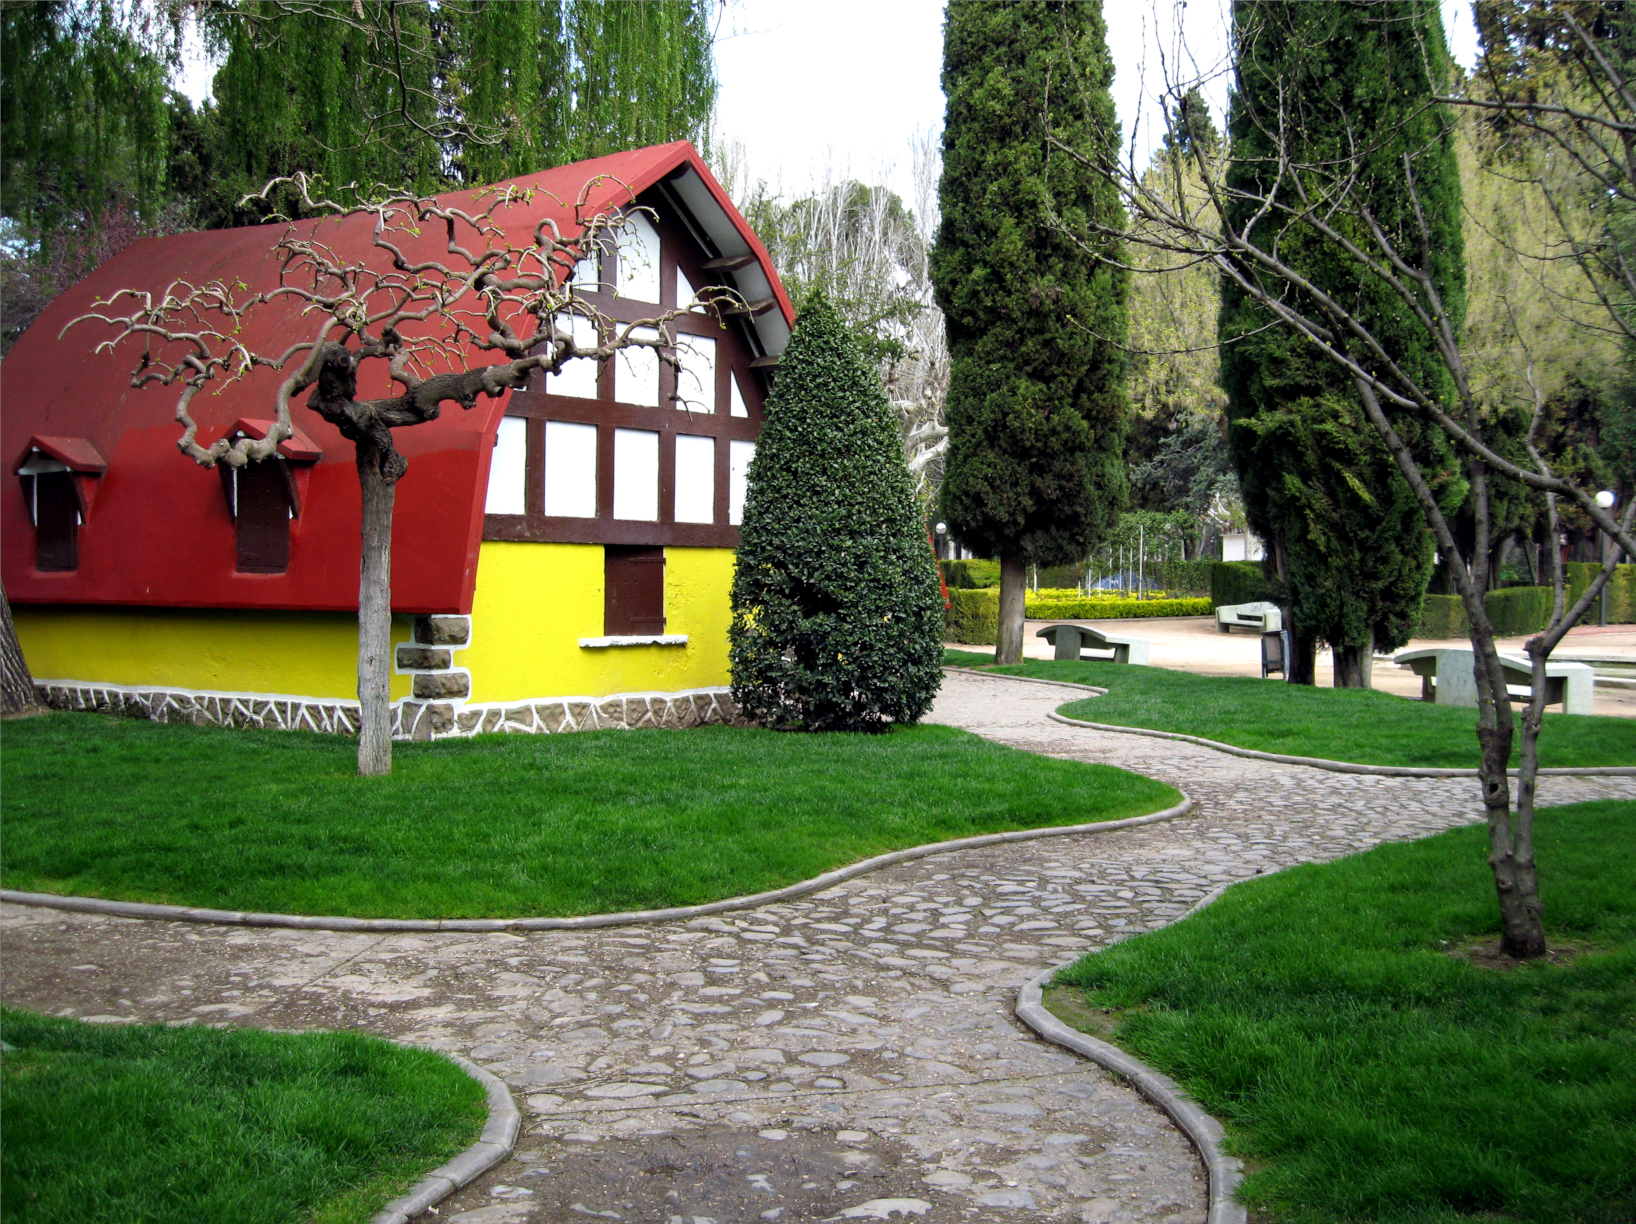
(837, 616)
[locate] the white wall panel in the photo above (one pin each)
(636, 372)
(737, 407)
(570, 470)
(695, 479)
(697, 382)
(684, 289)
(739, 455)
(636, 475)
(508, 468)
(639, 261)
(578, 377)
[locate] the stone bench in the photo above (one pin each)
(1449, 677)
(1084, 642)
(1262, 617)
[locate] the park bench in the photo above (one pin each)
(1262, 617)
(1449, 677)
(1084, 642)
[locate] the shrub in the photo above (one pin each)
(973, 618)
(971, 575)
(1238, 582)
(1621, 591)
(1516, 610)
(1192, 577)
(1443, 616)
(1114, 609)
(837, 616)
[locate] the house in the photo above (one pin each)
(562, 556)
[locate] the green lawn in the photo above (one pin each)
(1358, 725)
(1366, 1072)
(503, 825)
(153, 1125)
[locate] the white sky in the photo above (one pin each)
(846, 85)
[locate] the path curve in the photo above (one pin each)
(852, 1054)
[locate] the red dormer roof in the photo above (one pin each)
(163, 536)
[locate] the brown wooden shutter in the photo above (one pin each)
(56, 522)
(635, 583)
(263, 518)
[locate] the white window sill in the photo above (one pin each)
(662, 639)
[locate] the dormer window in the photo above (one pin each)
(59, 482)
(263, 497)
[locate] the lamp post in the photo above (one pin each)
(942, 540)
(1605, 499)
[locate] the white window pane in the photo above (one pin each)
(578, 377)
(585, 275)
(696, 384)
(695, 479)
(636, 475)
(739, 455)
(736, 408)
(508, 468)
(636, 372)
(639, 260)
(570, 470)
(684, 289)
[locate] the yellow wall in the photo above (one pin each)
(535, 601)
(299, 654)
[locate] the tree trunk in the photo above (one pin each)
(1303, 654)
(378, 484)
(1355, 665)
(1013, 606)
(17, 695)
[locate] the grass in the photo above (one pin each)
(1372, 1075)
(504, 825)
(156, 1125)
(1358, 725)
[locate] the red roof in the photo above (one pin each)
(162, 535)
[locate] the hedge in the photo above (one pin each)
(971, 575)
(1621, 591)
(973, 617)
(1443, 616)
(1115, 609)
(1238, 582)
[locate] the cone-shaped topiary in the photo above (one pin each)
(837, 618)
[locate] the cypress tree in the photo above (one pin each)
(837, 619)
(1355, 82)
(1036, 401)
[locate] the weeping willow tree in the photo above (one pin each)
(404, 94)
(461, 93)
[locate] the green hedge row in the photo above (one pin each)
(1238, 582)
(1621, 591)
(1511, 610)
(1115, 609)
(973, 617)
(971, 575)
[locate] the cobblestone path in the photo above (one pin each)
(848, 1056)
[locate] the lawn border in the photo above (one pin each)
(496, 1143)
(305, 922)
(1387, 771)
(1202, 1130)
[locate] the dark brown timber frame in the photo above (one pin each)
(678, 246)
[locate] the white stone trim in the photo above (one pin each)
(639, 639)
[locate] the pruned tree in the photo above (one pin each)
(1243, 228)
(444, 286)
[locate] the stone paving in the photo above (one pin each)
(849, 1056)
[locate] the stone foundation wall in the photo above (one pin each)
(411, 719)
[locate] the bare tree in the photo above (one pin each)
(423, 308)
(1325, 202)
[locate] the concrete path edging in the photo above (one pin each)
(214, 917)
(973, 671)
(495, 1144)
(1202, 1130)
(1386, 771)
